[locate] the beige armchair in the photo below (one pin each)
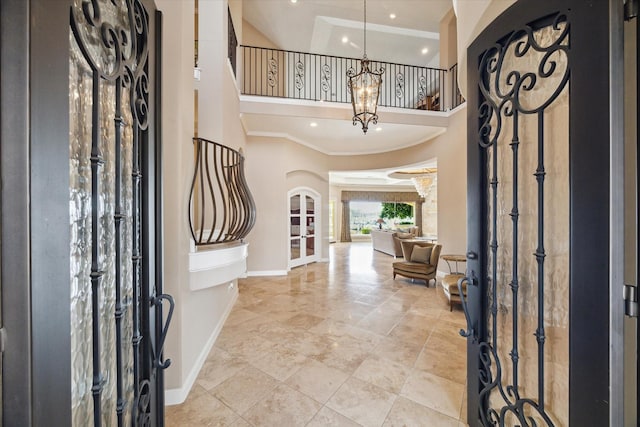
(420, 260)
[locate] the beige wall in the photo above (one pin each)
(275, 166)
(199, 314)
(272, 161)
(450, 150)
(177, 131)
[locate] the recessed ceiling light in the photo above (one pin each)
(313, 124)
(378, 129)
(392, 16)
(345, 39)
(425, 50)
(294, 1)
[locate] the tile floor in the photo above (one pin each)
(334, 344)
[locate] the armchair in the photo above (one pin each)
(420, 260)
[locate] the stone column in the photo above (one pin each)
(419, 217)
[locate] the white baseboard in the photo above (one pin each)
(176, 396)
(267, 273)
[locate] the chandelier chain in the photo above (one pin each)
(365, 28)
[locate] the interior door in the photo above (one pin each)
(543, 154)
(303, 222)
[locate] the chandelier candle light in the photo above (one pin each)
(365, 87)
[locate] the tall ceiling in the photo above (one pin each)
(335, 27)
(319, 26)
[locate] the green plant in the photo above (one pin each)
(396, 210)
(365, 230)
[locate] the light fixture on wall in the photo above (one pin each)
(365, 87)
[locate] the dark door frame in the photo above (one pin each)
(14, 244)
(589, 129)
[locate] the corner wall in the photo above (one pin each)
(275, 166)
(200, 314)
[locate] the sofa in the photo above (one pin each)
(388, 241)
(420, 260)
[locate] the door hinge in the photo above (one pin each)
(630, 9)
(3, 338)
(631, 300)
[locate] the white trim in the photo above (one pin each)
(176, 396)
(323, 260)
(266, 273)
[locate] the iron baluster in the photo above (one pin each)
(540, 255)
(118, 217)
(219, 192)
(514, 280)
(96, 272)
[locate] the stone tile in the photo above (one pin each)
(280, 362)
(445, 358)
(383, 373)
(244, 389)
(317, 326)
(238, 423)
(362, 402)
(407, 413)
(238, 316)
(200, 409)
(303, 320)
(250, 348)
(345, 354)
(317, 380)
(309, 344)
(410, 334)
(398, 351)
(434, 392)
(219, 366)
(327, 417)
(282, 407)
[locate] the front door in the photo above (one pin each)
(303, 227)
(543, 154)
(84, 153)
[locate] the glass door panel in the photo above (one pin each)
(303, 221)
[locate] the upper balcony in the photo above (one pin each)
(280, 87)
(307, 76)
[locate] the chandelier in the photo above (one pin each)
(423, 184)
(365, 87)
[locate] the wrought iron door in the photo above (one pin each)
(538, 197)
(117, 327)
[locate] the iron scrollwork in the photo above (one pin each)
(508, 91)
(325, 82)
(299, 77)
(272, 72)
(399, 85)
(422, 88)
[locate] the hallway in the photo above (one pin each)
(340, 344)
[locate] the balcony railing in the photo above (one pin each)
(221, 208)
(308, 76)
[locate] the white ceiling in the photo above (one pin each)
(318, 26)
(339, 137)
